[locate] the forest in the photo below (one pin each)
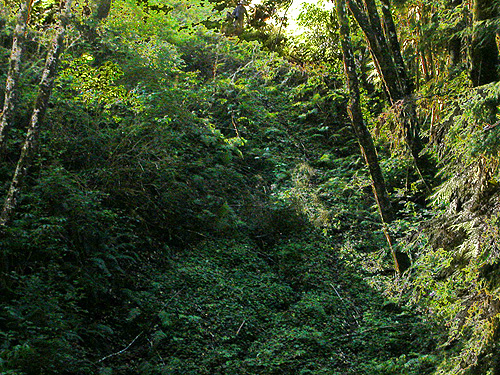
(200, 187)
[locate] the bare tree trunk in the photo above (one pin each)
(409, 114)
(362, 134)
(14, 67)
(425, 69)
(42, 100)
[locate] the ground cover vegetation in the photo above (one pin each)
(186, 189)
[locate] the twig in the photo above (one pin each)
(489, 127)
(233, 77)
(140, 333)
(121, 351)
(235, 128)
(241, 326)
(173, 296)
(159, 355)
(281, 24)
(373, 329)
(344, 302)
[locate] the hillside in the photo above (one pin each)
(186, 193)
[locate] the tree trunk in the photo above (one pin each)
(369, 23)
(430, 62)
(455, 43)
(103, 8)
(425, 68)
(484, 50)
(362, 134)
(390, 29)
(455, 48)
(41, 103)
(14, 67)
(89, 28)
(394, 76)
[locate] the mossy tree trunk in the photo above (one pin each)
(39, 110)
(405, 83)
(89, 29)
(363, 136)
(455, 42)
(103, 8)
(367, 17)
(386, 52)
(14, 67)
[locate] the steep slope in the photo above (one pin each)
(196, 206)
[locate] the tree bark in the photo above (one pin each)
(396, 82)
(405, 82)
(40, 108)
(455, 48)
(369, 23)
(484, 50)
(455, 42)
(14, 67)
(362, 134)
(103, 8)
(425, 68)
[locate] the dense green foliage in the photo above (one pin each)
(198, 203)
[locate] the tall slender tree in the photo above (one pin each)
(405, 83)
(363, 136)
(380, 34)
(484, 50)
(367, 17)
(14, 67)
(455, 42)
(39, 110)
